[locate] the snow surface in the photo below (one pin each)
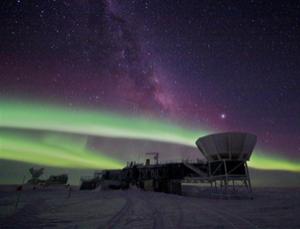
(52, 208)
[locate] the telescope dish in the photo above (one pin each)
(229, 145)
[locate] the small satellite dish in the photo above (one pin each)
(36, 173)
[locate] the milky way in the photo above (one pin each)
(179, 69)
(78, 53)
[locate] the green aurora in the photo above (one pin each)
(62, 151)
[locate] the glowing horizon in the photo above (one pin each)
(45, 117)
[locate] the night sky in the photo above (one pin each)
(216, 65)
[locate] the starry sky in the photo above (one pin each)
(212, 65)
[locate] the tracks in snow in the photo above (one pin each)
(230, 219)
(159, 210)
(145, 210)
(116, 219)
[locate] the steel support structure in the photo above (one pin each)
(229, 178)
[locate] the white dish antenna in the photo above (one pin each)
(230, 145)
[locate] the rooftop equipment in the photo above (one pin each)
(155, 156)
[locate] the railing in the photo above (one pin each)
(194, 161)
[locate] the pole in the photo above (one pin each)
(19, 191)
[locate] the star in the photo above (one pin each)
(223, 116)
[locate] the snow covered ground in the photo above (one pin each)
(51, 208)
